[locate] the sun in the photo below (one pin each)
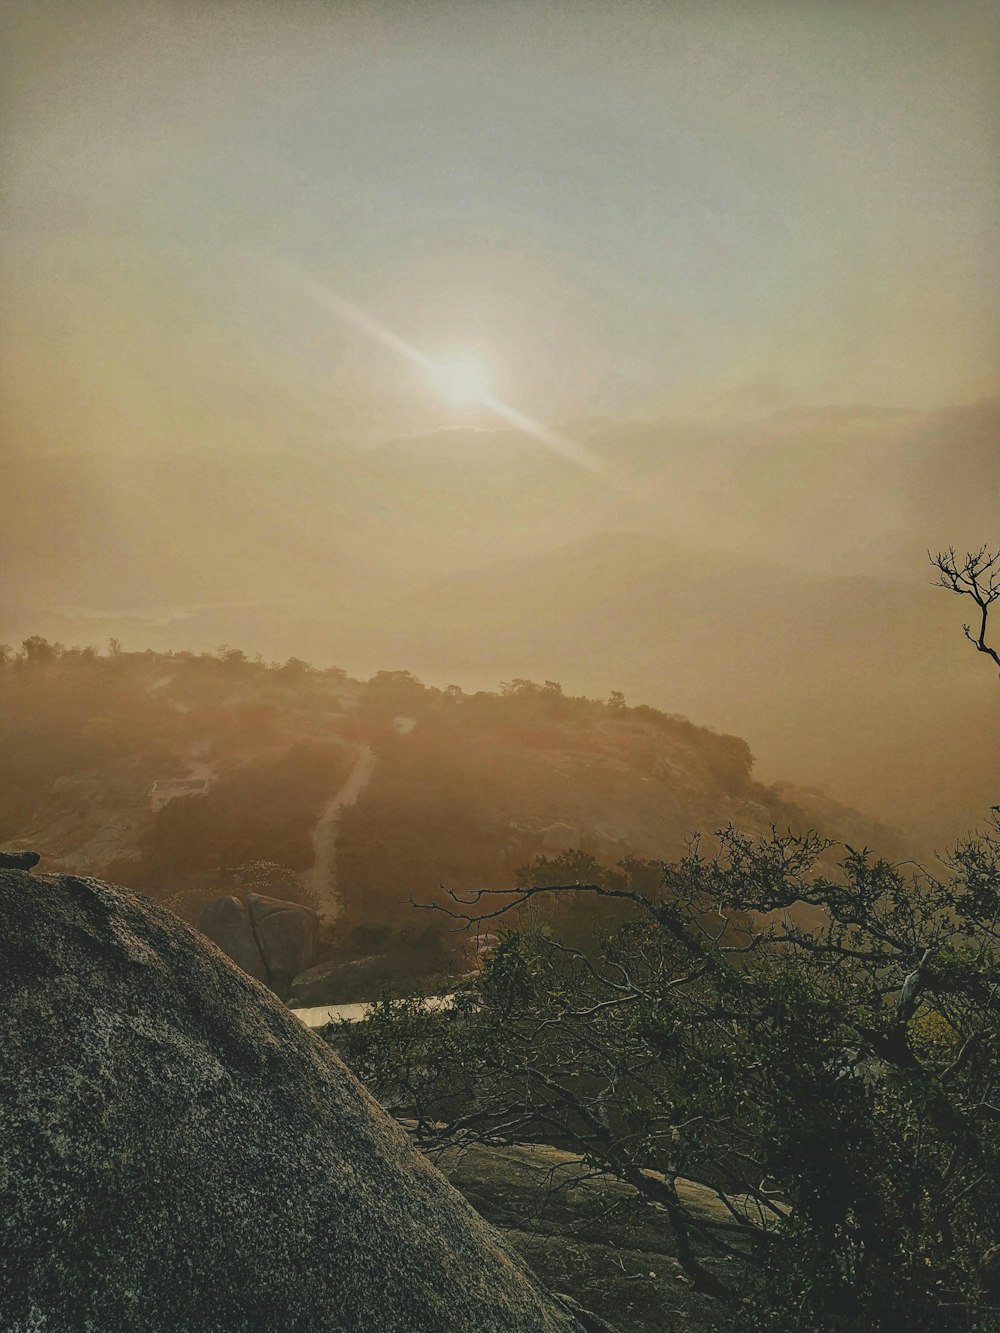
(462, 381)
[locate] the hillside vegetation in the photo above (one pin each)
(467, 789)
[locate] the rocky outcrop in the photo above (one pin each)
(178, 1152)
(286, 934)
(226, 922)
(589, 1234)
(270, 938)
(19, 860)
(340, 983)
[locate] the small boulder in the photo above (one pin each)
(286, 933)
(19, 860)
(226, 922)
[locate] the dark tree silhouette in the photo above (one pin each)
(977, 576)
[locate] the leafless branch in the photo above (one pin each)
(977, 575)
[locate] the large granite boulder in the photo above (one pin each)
(226, 922)
(272, 939)
(177, 1152)
(286, 933)
(340, 983)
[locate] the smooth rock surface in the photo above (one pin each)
(177, 1152)
(226, 922)
(286, 933)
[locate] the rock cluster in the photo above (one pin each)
(178, 1153)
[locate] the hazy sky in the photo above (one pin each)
(619, 209)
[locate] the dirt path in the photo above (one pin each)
(322, 878)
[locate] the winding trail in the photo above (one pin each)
(321, 880)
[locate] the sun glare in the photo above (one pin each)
(462, 381)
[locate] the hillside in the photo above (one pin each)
(857, 683)
(486, 784)
(187, 777)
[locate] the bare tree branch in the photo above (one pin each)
(976, 576)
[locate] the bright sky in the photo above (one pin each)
(611, 209)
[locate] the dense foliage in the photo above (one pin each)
(822, 1051)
